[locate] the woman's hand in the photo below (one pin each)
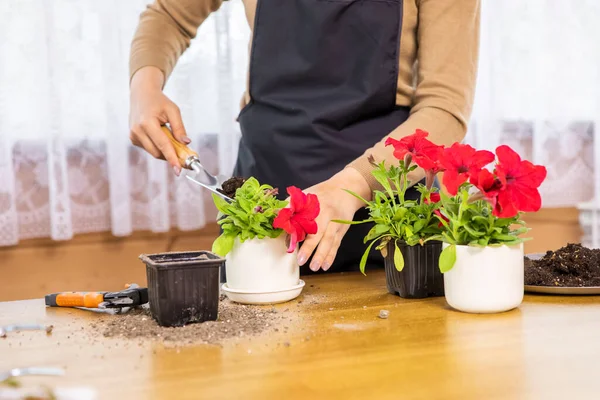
(336, 204)
(149, 110)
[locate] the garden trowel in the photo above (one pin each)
(196, 172)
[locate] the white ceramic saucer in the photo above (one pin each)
(274, 297)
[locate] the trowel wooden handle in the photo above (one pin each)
(183, 152)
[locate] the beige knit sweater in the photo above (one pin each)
(437, 62)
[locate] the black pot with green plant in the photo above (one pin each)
(404, 229)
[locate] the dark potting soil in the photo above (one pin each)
(231, 185)
(570, 266)
(234, 321)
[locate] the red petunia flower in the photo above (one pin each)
(442, 216)
(490, 186)
(461, 161)
(433, 199)
(421, 150)
(522, 182)
(299, 219)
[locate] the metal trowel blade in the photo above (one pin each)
(191, 177)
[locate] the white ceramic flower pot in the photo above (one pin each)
(485, 280)
(262, 265)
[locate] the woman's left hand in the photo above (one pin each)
(336, 204)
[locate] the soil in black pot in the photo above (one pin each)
(570, 266)
(230, 186)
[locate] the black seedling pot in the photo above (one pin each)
(421, 276)
(183, 287)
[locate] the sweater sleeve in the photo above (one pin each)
(165, 31)
(448, 50)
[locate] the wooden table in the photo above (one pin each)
(549, 348)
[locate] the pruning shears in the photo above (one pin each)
(132, 296)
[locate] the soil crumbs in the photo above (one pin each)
(569, 266)
(234, 321)
(231, 185)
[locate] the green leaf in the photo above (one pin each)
(514, 242)
(447, 238)
(357, 196)
(221, 204)
(251, 184)
(226, 226)
(503, 237)
(400, 213)
(480, 219)
(502, 222)
(372, 235)
(260, 230)
(341, 221)
(419, 225)
(380, 229)
(380, 197)
(398, 258)
(519, 231)
(447, 258)
(240, 223)
(223, 244)
(365, 256)
(484, 241)
(245, 204)
(472, 231)
(382, 177)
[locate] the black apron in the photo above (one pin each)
(323, 81)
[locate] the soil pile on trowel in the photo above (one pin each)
(234, 321)
(230, 186)
(570, 266)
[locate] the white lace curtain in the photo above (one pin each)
(66, 165)
(539, 91)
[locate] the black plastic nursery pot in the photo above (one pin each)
(183, 288)
(421, 276)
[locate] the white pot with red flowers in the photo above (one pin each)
(482, 257)
(259, 240)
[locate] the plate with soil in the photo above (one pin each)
(570, 270)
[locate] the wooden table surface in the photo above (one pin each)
(549, 348)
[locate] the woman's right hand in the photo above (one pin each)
(149, 110)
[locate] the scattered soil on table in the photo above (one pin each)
(234, 321)
(569, 266)
(230, 186)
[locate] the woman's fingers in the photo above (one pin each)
(323, 248)
(149, 146)
(161, 141)
(308, 247)
(150, 109)
(337, 241)
(176, 123)
(326, 246)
